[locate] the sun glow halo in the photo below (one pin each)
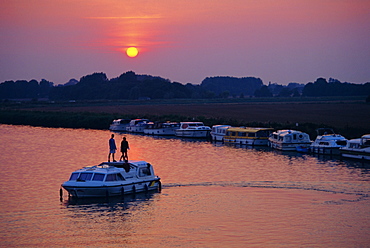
(132, 52)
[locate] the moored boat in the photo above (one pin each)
(357, 148)
(327, 142)
(193, 130)
(218, 132)
(137, 125)
(162, 128)
(289, 140)
(253, 136)
(112, 179)
(119, 125)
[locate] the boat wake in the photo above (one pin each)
(361, 191)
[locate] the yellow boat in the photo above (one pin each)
(253, 136)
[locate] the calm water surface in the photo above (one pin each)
(213, 195)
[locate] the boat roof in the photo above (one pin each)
(249, 129)
(288, 131)
(366, 136)
(105, 167)
(218, 126)
(191, 122)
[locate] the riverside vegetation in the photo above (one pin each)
(348, 117)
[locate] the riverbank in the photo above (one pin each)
(350, 118)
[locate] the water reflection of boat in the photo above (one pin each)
(357, 148)
(253, 136)
(112, 179)
(327, 142)
(119, 125)
(193, 130)
(289, 140)
(161, 128)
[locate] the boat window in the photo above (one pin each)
(143, 172)
(85, 176)
(111, 177)
(98, 177)
(262, 134)
(366, 142)
(341, 142)
(74, 176)
(324, 143)
(294, 136)
(251, 135)
(120, 177)
(354, 145)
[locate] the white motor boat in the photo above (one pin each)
(137, 125)
(218, 132)
(119, 125)
(327, 142)
(112, 179)
(357, 148)
(162, 128)
(193, 130)
(289, 140)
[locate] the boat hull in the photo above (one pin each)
(356, 153)
(248, 142)
(135, 129)
(287, 146)
(160, 131)
(80, 191)
(325, 150)
(192, 133)
(118, 128)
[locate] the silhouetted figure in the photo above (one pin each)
(124, 147)
(112, 148)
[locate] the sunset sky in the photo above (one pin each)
(279, 41)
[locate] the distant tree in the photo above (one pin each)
(296, 93)
(225, 94)
(263, 92)
(285, 92)
(234, 85)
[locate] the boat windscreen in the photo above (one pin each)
(98, 177)
(74, 176)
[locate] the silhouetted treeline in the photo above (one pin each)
(231, 86)
(335, 88)
(132, 86)
(25, 89)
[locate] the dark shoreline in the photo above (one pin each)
(101, 121)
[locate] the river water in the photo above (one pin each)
(213, 195)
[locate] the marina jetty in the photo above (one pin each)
(348, 116)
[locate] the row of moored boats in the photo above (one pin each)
(326, 142)
(182, 129)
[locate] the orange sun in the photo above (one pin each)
(132, 52)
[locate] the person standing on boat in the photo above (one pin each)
(112, 148)
(124, 148)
